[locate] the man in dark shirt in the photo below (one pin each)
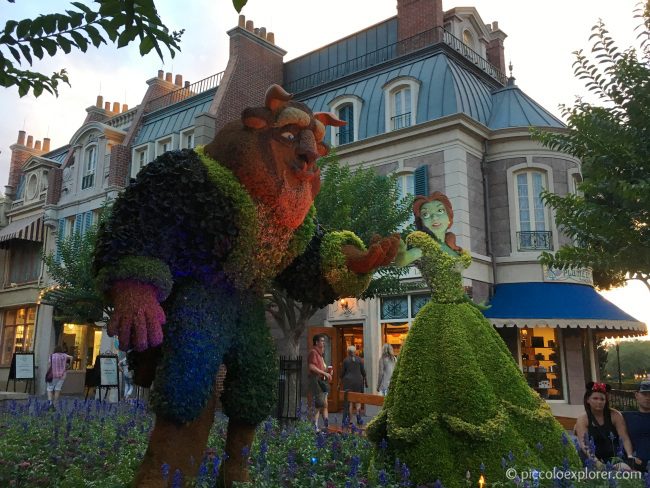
(638, 426)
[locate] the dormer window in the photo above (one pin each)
(401, 97)
(90, 164)
(163, 145)
(187, 139)
(347, 108)
(468, 38)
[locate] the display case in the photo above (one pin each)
(540, 361)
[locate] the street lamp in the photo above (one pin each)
(618, 361)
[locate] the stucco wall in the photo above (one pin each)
(476, 206)
(498, 202)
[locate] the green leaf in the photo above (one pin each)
(64, 44)
(26, 53)
(127, 36)
(79, 40)
(95, 37)
(14, 52)
(49, 23)
(36, 28)
(49, 45)
(110, 27)
(36, 49)
(10, 26)
(76, 19)
(38, 89)
(84, 8)
(23, 87)
(23, 28)
(146, 45)
(62, 22)
(239, 4)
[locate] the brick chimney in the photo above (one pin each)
(254, 64)
(417, 16)
(494, 51)
(21, 151)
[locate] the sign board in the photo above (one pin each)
(24, 365)
(108, 370)
(580, 276)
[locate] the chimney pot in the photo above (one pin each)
(30, 141)
(46, 144)
(107, 106)
(250, 26)
(187, 84)
(263, 32)
(495, 25)
(242, 21)
(256, 31)
(21, 137)
(168, 77)
(178, 81)
(37, 145)
(99, 102)
(125, 107)
(161, 73)
(116, 107)
(270, 37)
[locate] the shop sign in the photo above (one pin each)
(108, 370)
(24, 366)
(581, 276)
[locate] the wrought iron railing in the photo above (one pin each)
(622, 400)
(289, 388)
(186, 92)
(400, 121)
(538, 240)
(392, 51)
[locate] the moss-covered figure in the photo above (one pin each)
(192, 245)
(457, 400)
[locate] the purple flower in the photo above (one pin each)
(164, 469)
(383, 445)
(354, 466)
(539, 446)
(177, 482)
(482, 468)
(383, 478)
(565, 439)
(438, 484)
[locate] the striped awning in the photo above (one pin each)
(28, 229)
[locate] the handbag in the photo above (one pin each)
(48, 375)
(324, 386)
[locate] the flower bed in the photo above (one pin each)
(99, 445)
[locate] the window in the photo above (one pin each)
(468, 38)
(17, 333)
(347, 108)
(532, 216)
(541, 361)
(140, 160)
(187, 139)
(25, 262)
(396, 316)
(405, 187)
(163, 146)
(401, 95)
(90, 163)
(82, 343)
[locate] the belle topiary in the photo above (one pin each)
(192, 245)
(457, 400)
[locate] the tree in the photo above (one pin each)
(609, 220)
(361, 201)
(75, 297)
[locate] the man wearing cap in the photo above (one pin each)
(638, 425)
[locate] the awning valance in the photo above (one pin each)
(29, 229)
(557, 305)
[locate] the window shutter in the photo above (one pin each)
(88, 221)
(78, 223)
(422, 181)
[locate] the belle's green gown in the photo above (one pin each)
(457, 399)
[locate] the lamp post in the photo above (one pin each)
(618, 361)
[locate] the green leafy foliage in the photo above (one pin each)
(633, 356)
(609, 220)
(118, 21)
(74, 296)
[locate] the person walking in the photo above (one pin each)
(354, 379)
(127, 378)
(638, 427)
(386, 367)
(59, 362)
(318, 379)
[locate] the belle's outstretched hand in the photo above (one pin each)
(381, 252)
(137, 317)
(406, 256)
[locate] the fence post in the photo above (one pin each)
(289, 389)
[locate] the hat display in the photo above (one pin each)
(644, 386)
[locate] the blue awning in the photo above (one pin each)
(556, 305)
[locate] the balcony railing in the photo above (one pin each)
(189, 90)
(344, 136)
(392, 51)
(623, 400)
(539, 240)
(400, 121)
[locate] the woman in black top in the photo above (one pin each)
(605, 428)
(354, 378)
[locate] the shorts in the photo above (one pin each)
(56, 384)
(319, 396)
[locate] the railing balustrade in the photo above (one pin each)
(538, 240)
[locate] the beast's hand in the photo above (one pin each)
(137, 316)
(381, 252)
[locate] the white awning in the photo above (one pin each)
(28, 229)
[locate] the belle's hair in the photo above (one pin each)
(597, 388)
(436, 196)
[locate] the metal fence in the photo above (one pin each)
(541, 240)
(623, 400)
(289, 388)
(189, 90)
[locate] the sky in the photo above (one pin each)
(541, 39)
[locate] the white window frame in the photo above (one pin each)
(89, 166)
(357, 105)
(160, 143)
(139, 159)
(574, 177)
(184, 134)
(513, 204)
(390, 90)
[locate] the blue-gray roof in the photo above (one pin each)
(446, 88)
(59, 154)
(174, 118)
(513, 108)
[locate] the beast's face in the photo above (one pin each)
(274, 154)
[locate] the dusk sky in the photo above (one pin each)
(541, 39)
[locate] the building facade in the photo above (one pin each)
(425, 97)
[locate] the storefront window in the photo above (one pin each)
(394, 308)
(540, 359)
(82, 343)
(395, 335)
(417, 302)
(17, 333)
